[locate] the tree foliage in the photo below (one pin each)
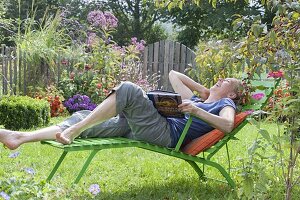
(204, 21)
(5, 23)
(137, 18)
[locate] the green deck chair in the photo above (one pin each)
(200, 150)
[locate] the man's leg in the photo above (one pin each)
(143, 119)
(113, 127)
(103, 112)
(116, 126)
(13, 139)
(145, 122)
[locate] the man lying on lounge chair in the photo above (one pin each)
(140, 120)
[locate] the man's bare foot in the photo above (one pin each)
(68, 135)
(11, 139)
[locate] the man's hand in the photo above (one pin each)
(187, 106)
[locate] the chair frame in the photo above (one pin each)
(96, 144)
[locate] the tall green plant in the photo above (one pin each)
(5, 24)
(215, 59)
(277, 49)
(41, 45)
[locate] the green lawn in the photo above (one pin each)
(127, 173)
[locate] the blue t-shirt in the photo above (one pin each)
(198, 127)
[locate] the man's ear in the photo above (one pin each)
(232, 95)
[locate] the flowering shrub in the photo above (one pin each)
(87, 81)
(56, 106)
(280, 93)
(133, 73)
(53, 96)
(79, 102)
(107, 64)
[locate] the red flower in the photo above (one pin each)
(275, 74)
(64, 62)
(72, 75)
(99, 85)
(87, 67)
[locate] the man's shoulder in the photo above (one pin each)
(227, 101)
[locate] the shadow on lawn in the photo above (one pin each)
(181, 189)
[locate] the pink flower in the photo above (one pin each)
(249, 112)
(276, 74)
(64, 62)
(258, 96)
(72, 75)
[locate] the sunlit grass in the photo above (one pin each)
(128, 173)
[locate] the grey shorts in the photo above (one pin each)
(137, 119)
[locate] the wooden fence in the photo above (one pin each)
(159, 58)
(163, 56)
(16, 74)
(9, 71)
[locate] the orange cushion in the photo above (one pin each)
(209, 139)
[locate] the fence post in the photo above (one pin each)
(24, 73)
(15, 71)
(176, 56)
(182, 58)
(3, 67)
(145, 62)
(5, 71)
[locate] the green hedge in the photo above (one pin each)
(23, 112)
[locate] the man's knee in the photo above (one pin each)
(130, 89)
(128, 95)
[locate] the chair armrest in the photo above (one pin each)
(184, 132)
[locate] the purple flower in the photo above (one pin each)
(79, 102)
(91, 39)
(139, 46)
(96, 18)
(111, 20)
(4, 196)
(258, 96)
(14, 155)
(29, 170)
(94, 189)
(134, 40)
(104, 20)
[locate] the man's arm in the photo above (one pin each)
(224, 122)
(185, 86)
